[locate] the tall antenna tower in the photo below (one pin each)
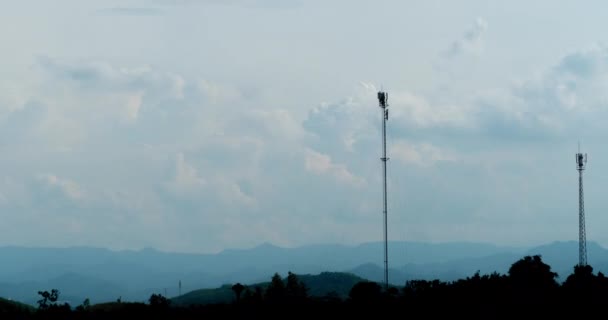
(383, 103)
(581, 163)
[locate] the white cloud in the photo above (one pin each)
(217, 94)
(552, 105)
(472, 40)
(130, 11)
(133, 105)
(414, 110)
(232, 193)
(322, 164)
(186, 176)
(278, 124)
(69, 188)
(172, 142)
(420, 154)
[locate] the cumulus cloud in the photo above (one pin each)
(69, 188)
(95, 76)
(232, 193)
(471, 42)
(420, 154)
(273, 4)
(563, 101)
(186, 176)
(133, 105)
(217, 94)
(130, 11)
(354, 124)
(168, 148)
(416, 111)
(322, 164)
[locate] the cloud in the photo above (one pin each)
(218, 94)
(96, 75)
(270, 4)
(353, 124)
(278, 124)
(186, 176)
(130, 11)
(471, 42)
(169, 153)
(550, 106)
(420, 154)
(415, 111)
(133, 105)
(69, 188)
(232, 193)
(561, 102)
(322, 164)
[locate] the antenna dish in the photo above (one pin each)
(383, 99)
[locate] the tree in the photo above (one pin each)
(86, 305)
(581, 279)
(295, 289)
(276, 289)
(532, 284)
(365, 292)
(48, 298)
(583, 285)
(158, 301)
(531, 271)
(238, 290)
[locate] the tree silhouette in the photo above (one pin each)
(85, 306)
(295, 289)
(532, 285)
(532, 272)
(238, 290)
(581, 280)
(48, 298)
(583, 286)
(365, 292)
(276, 289)
(158, 301)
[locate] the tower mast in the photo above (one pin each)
(383, 103)
(581, 162)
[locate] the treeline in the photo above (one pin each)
(529, 290)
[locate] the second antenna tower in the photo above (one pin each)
(581, 163)
(383, 101)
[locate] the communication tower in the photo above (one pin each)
(383, 103)
(581, 163)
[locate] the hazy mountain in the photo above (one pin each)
(105, 275)
(374, 272)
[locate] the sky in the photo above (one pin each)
(201, 125)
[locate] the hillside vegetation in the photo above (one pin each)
(337, 284)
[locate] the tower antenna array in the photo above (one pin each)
(581, 163)
(383, 103)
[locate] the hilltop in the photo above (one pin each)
(334, 284)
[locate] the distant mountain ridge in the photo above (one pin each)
(104, 275)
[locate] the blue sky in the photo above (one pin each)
(196, 126)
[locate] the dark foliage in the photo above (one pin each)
(529, 290)
(238, 291)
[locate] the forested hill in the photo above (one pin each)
(336, 284)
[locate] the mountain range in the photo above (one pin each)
(104, 275)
